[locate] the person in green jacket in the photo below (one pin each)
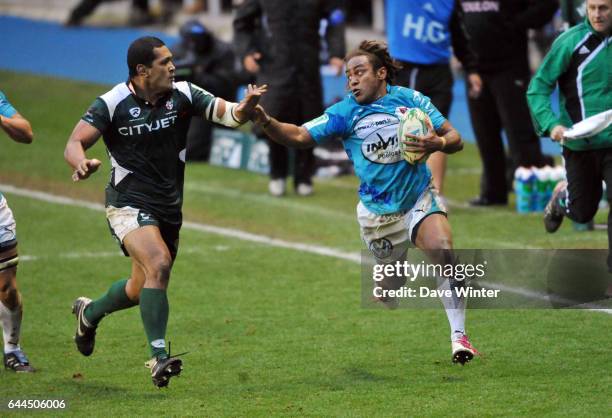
(580, 63)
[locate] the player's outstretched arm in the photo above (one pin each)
(83, 136)
(445, 139)
(235, 114)
(285, 134)
(18, 128)
(245, 108)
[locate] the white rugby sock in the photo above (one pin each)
(455, 310)
(11, 327)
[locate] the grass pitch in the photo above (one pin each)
(275, 331)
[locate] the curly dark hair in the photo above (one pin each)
(377, 53)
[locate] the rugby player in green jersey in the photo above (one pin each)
(144, 124)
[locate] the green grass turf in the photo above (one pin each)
(275, 331)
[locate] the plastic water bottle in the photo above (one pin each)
(603, 203)
(539, 189)
(523, 189)
(542, 187)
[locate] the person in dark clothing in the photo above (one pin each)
(498, 36)
(572, 12)
(140, 14)
(420, 37)
(208, 62)
(279, 42)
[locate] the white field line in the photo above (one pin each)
(533, 294)
(267, 200)
(103, 254)
(228, 232)
(247, 236)
(71, 255)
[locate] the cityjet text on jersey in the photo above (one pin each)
(147, 127)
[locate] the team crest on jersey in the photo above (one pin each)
(135, 112)
(379, 134)
(169, 104)
(399, 111)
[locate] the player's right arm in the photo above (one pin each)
(282, 133)
(83, 136)
(18, 128)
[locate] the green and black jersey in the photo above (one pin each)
(146, 145)
(580, 61)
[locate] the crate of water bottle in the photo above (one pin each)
(533, 186)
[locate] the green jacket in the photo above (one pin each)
(580, 62)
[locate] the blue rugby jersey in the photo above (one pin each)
(6, 109)
(369, 134)
(419, 32)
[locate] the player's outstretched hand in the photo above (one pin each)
(85, 169)
(426, 143)
(245, 108)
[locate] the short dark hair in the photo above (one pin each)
(378, 55)
(141, 52)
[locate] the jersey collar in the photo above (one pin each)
(162, 99)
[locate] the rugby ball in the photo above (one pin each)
(413, 121)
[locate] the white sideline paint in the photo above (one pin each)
(533, 294)
(247, 236)
(265, 200)
(103, 254)
(85, 254)
(228, 232)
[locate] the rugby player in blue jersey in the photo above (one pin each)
(11, 309)
(398, 204)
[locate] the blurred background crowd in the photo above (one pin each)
(296, 47)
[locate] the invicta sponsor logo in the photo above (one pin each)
(381, 148)
(148, 127)
(380, 141)
(381, 145)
